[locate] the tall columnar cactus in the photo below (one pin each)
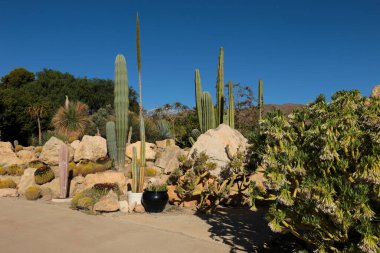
(121, 104)
(142, 125)
(261, 101)
(220, 89)
(63, 170)
(207, 112)
(231, 109)
(111, 140)
(198, 97)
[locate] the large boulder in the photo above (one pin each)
(27, 180)
(165, 143)
(7, 156)
(50, 151)
(108, 203)
(75, 144)
(375, 91)
(8, 192)
(53, 187)
(26, 156)
(150, 153)
(105, 177)
(214, 143)
(91, 148)
(168, 159)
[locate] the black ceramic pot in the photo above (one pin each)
(154, 202)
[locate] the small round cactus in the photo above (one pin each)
(7, 183)
(43, 175)
(33, 193)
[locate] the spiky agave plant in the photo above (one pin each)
(71, 121)
(322, 167)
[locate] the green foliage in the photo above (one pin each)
(164, 130)
(7, 183)
(156, 188)
(15, 170)
(17, 77)
(49, 89)
(322, 167)
(98, 121)
(43, 175)
(219, 112)
(88, 167)
(260, 102)
(33, 193)
(195, 180)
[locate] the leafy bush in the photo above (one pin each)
(7, 183)
(33, 193)
(322, 166)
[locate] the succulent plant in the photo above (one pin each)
(7, 183)
(137, 173)
(15, 170)
(121, 104)
(33, 193)
(85, 203)
(43, 175)
(321, 168)
(2, 170)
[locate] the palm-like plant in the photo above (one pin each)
(71, 120)
(37, 111)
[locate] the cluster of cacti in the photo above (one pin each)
(322, 168)
(208, 116)
(38, 149)
(33, 193)
(194, 181)
(137, 173)
(43, 175)
(15, 170)
(150, 171)
(85, 203)
(260, 102)
(19, 148)
(63, 170)
(106, 187)
(89, 167)
(7, 183)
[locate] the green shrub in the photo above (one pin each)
(33, 193)
(7, 183)
(15, 170)
(322, 166)
(43, 175)
(85, 203)
(2, 171)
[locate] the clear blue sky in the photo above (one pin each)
(299, 48)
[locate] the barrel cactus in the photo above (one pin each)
(43, 175)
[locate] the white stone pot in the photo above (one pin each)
(134, 197)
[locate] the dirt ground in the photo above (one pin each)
(28, 226)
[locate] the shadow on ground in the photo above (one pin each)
(245, 230)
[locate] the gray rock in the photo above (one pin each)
(91, 148)
(214, 143)
(168, 159)
(108, 203)
(8, 192)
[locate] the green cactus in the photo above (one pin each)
(198, 97)
(121, 103)
(142, 143)
(231, 109)
(220, 89)
(43, 175)
(207, 112)
(261, 101)
(137, 173)
(111, 140)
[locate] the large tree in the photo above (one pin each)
(17, 77)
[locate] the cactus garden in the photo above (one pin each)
(232, 171)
